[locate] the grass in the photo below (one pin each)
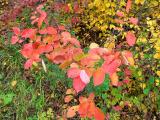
(28, 95)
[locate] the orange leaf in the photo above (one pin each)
(72, 111)
(68, 98)
(98, 76)
(87, 108)
(114, 79)
(70, 91)
(99, 115)
(65, 64)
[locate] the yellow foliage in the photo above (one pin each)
(139, 1)
(158, 73)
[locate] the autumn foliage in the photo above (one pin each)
(56, 44)
(61, 48)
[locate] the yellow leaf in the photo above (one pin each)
(65, 64)
(93, 45)
(139, 1)
(142, 85)
(13, 83)
(158, 73)
(79, 56)
(110, 44)
(157, 81)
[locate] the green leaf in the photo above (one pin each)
(151, 80)
(8, 98)
(146, 91)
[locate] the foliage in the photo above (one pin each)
(120, 79)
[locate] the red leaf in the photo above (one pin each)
(73, 72)
(42, 17)
(127, 72)
(128, 5)
(61, 27)
(98, 76)
(16, 30)
(75, 42)
(133, 20)
(78, 85)
(14, 39)
(120, 14)
(131, 38)
(48, 48)
(112, 67)
(28, 64)
(48, 30)
(126, 80)
(76, 7)
(56, 58)
(117, 108)
(119, 21)
(51, 30)
(27, 50)
(28, 33)
(98, 51)
(66, 8)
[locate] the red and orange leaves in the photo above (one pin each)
(42, 16)
(87, 108)
(80, 78)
